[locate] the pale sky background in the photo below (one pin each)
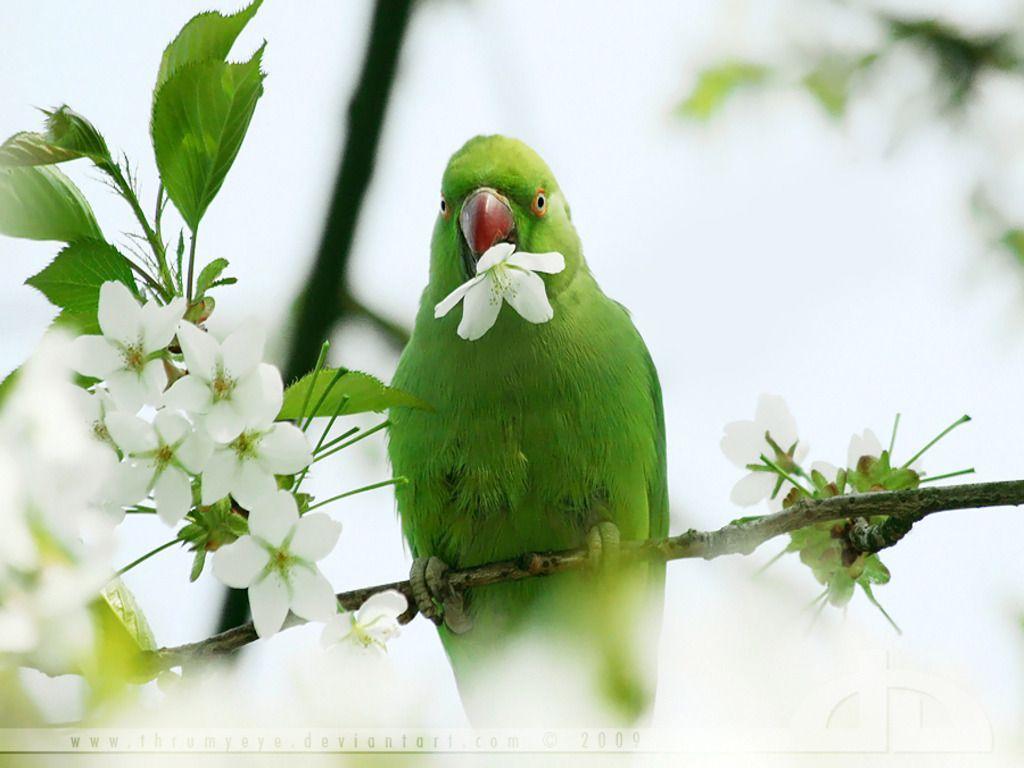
(769, 251)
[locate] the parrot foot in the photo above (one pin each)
(603, 542)
(435, 598)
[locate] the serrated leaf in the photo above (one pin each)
(72, 280)
(364, 393)
(200, 116)
(208, 35)
(41, 203)
(68, 136)
(715, 85)
(209, 275)
(30, 148)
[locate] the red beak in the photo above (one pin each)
(486, 219)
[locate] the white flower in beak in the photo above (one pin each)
(502, 274)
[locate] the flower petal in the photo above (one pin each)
(241, 561)
(312, 595)
(284, 449)
(273, 517)
(173, 494)
(866, 444)
(551, 262)
(159, 323)
(242, 351)
(337, 630)
(753, 488)
(493, 256)
(773, 416)
(119, 313)
(224, 422)
(389, 604)
(252, 484)
(94, 356)
(316, 534)
(132, 434)
(743, 442)
(219, 475)
(444, 306)
(528, 296)
(128, 484)
(189, 393)
(259, 396)
(195, 451)
(201, 352)
(154, 380)
(479, 311)
(268, 601)
(170, 427)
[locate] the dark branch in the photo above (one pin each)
(902, 509)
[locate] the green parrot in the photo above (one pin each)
(545, 434)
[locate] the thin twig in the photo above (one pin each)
(902, 510)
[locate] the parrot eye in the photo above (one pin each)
(540, 203)
(445, 210)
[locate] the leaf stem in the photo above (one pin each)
(320, 358)
(191, 264)
(335, 440)
(968, 471)
(354, 440)
(320, 400)
(962, 420)
(146, 556)
(892, 439)
(374, 486)
(785, 475)
(114, 171)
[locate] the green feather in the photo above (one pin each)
(537, 432)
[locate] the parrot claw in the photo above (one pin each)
(603, 542)
(435, 598)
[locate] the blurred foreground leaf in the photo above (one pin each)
(41, 203)
(716, 84)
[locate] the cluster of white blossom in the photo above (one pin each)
(187, 437)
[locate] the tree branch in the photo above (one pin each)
(902, 509)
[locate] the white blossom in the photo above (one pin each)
(864, 444)
(371, 626)
(245, 466)
(502, 274)
(128, 355)
(745, 441)
(226, 382)
(276, 562)
(161, 456)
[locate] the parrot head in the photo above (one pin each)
(494, 190)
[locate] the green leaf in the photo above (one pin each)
(7, 384)
(68, 136)
(200, 116)
(209, 274)
(1013, 239)
(364, 393)
(124, 641)
(209, 35)
(716, 84)
(122, 603)
(29, 148)
(41, 203)
(72, 281)
(197, 564)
